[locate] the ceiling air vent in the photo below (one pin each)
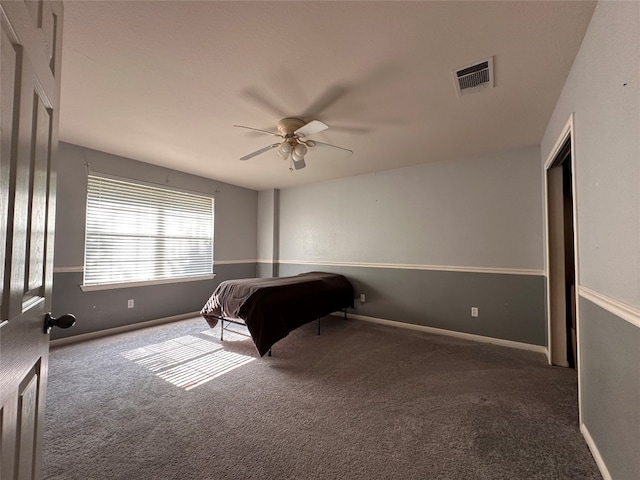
(474, 78)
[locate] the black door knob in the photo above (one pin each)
(64, 321)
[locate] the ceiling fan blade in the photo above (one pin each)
(333, 146)
(314, 126)
(258, 152)
(259, 98)
(258, 130)
(350, 130)
(330, 96)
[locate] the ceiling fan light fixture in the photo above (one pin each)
(284, 150)
(296, 157)
(300, 150)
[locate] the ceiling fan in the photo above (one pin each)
(293, 131)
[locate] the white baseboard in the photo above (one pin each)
(59, 342)
(381, 321)
(595, 452)
(451, 333)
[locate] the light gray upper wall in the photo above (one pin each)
(235, 207)
(476, 212)
(266, 207)
(603, 92)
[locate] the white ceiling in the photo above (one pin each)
(164, 82)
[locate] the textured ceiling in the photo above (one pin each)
(164, 82)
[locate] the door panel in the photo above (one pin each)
(30, 95)
(8, 73)
(27, 423)
(38, 182)
(44, 18)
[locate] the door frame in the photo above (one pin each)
(554, 344)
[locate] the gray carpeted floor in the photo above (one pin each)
(361, 401)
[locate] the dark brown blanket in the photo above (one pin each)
(273, 307)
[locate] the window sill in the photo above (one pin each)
(113, 286)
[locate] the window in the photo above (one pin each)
(141, 233)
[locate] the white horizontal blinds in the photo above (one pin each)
(138, 233)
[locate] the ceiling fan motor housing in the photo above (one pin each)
(287, 126)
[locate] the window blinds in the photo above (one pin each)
(140, 233)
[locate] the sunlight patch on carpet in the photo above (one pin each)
(204, 369)
(187, 362)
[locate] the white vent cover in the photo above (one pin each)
(474, 78)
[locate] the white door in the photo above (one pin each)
(30, 46)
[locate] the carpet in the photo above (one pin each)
(360, 401)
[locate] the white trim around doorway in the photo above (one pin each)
(568, 132)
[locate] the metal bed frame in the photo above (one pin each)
(238, 321)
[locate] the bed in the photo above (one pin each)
(271, 308)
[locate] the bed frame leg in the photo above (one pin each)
(221, 330)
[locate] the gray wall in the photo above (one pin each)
(603, 92)
(425, 244)
(235, 234)
(511, 306)
(266, 224)
(611, 387)
(268, 233)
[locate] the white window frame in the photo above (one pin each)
(125, 216)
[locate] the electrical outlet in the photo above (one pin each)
(130, 303)
(362, 298)
(474, 311)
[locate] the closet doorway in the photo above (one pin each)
(561, 253)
